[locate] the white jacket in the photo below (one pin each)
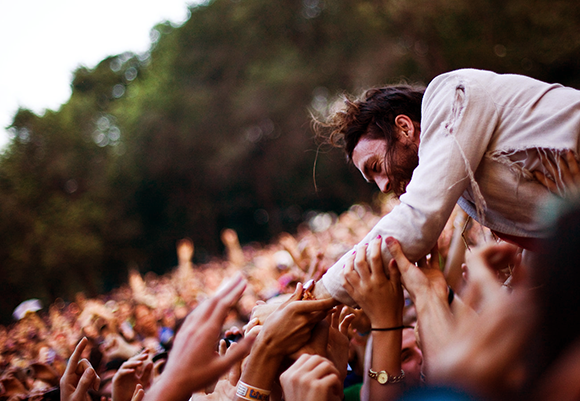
(481, 133)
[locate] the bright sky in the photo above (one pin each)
(43, 41)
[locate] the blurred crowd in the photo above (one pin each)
(476, 319)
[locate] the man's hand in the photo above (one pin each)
(79, 376)
(311, 378)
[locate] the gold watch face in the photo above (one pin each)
(383, 377)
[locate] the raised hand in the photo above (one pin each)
(311, 378)
(194, 362)
(338, 342)
(376, 291)
(290, 326)
(136, 370)
(418, 280)
(284, 332)
(79, 376)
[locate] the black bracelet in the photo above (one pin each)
(392, 328)
(450, 295)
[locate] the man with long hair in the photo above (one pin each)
(472, 137)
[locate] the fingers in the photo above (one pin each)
(97, 383)
(82, 365)
(395, 248)
(233, 331)
(236, 369)
(334, 317)
(223, 347)
(88, 379)
(138, 394)
(345, 323)
(225, 298)
(146, 375)
(141, 356)
(360, 261)
(376, 258)
(235, 354)
(394, 272)
(251, 324)
(317, 305)
(72, 364)
(229, 286)
(350, 277)
(296, 296)
(131, 365)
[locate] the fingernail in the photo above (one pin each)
(390, 241)
(379, 236)
(353, 252)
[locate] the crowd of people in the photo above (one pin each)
(187, 335)
(416, 302)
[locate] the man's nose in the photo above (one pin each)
(383, 183)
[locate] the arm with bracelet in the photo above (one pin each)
(380, 295)
(284, 332)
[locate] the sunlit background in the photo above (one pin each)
(44, 41)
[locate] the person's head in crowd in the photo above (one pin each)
(380, 134)
(411, 358)
(185, 251)
(145, 321)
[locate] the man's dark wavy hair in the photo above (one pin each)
(373, 114)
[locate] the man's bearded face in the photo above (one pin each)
(390, 173)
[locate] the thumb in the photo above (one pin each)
(397, 253)
(297, 296)
(235, 354)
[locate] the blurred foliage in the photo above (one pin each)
(210, 129)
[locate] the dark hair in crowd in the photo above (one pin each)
(374, 115)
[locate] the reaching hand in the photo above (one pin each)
(79, 376)
(194, 362)
(483, 350)
(311, 378)
(481, 270)
(379, 294)
(338, 341)
(419, 280)
(288, 328)
(137, 370)
(139, 393)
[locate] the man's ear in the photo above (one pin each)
(407, 128)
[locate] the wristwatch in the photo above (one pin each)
(384, 378)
